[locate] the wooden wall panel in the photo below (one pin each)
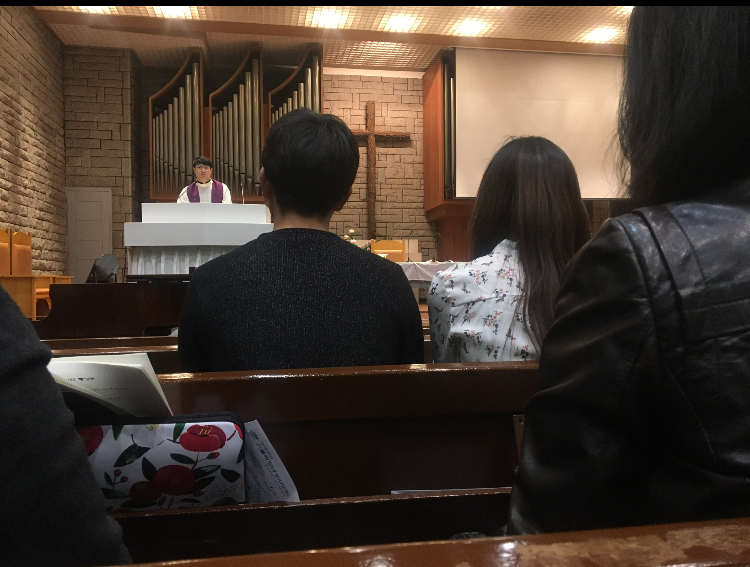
(432, 88)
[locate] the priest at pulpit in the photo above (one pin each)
(205, 189)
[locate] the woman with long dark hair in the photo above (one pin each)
(527, 223)
(644, 416)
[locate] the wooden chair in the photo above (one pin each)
(5, 252)
(20, 255)
(395, 249)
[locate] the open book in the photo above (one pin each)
(105, 386)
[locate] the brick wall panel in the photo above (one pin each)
(399, 209)
(98, 87)
(32, 160)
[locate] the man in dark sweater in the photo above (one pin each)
(300, 296)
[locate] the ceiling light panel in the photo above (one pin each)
(180, 12)
(95, 9)
(470, 27)
(399, 23)
(601, 35)
(329, 18)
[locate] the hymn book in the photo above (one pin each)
(110, 386)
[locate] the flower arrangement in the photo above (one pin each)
(351, 237)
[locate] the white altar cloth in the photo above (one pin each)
(420, 274)
(175, 237)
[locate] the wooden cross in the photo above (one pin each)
(372, 135)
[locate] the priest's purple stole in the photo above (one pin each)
(217, 192)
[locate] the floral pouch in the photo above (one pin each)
(186, 462)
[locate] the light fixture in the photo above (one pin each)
(470, 27)
(174, 11)
(400, 23)
(95, 9)
(601, 35)
(328, 18)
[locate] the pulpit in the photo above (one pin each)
(174, 237)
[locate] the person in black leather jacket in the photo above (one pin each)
(644, 412)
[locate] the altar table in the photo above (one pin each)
(420, 274)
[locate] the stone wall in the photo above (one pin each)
(102, 131)
(399, 205)
(32, 163)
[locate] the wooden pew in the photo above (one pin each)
(348, 436)
(311, 524)
(111, 310)
(366, 431)
(162, 351)
(163, 358)
(109, 342)
(720, 543)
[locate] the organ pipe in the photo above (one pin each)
(175, 113)
(237, 107)
(256, 102)
(181, 133)
(301, 90)
(197, 108)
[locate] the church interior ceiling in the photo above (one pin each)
(394, 37)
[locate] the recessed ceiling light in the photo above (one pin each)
(174, 11)
(327, 18)
(470, 27)
(95, 9)
(400, 23)
(601, 35)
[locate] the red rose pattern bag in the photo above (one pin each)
(192, 461)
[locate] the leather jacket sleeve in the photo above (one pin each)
(587, 455)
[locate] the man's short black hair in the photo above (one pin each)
(311, 161)
(203, 160)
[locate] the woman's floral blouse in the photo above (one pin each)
(476, 310)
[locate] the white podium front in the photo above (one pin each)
(175, 237)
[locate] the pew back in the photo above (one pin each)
(162, 351)
(20, 255)
(721, 543)
(370, 430)
(5, 251)
(111, 310)
(312, 524)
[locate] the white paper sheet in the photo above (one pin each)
(266, 477)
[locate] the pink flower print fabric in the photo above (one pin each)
(475, 310)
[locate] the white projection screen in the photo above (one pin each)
(569, 99)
